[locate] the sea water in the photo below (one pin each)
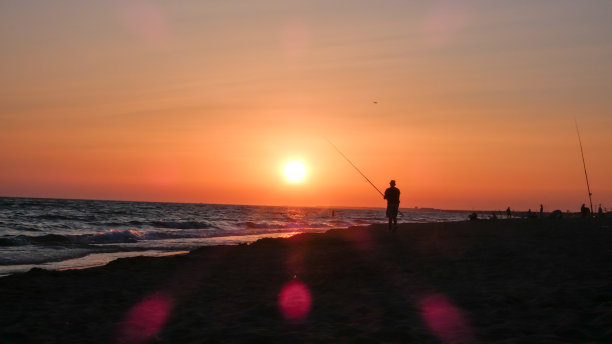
(68, 234)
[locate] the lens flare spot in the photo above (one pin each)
(443, 23)
(445, 320)
(145, 319)
(294, 301)
(145, 20)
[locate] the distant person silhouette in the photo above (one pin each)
(556, 214)
(584, 211)
(600, 211)
(473, 216)
(532, 215)
(508, 212)
(392, 195)
(541, 210)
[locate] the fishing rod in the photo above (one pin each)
(358, 170)
(355, 167)
(584, 166)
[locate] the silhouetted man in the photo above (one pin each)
(392, 195)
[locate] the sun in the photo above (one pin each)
(295, 171)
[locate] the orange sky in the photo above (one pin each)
(206, 101)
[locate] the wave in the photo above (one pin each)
(22, 240)
(293, 225)
(157, 224)
(110, 237)
(182, 224)
(262, 225)
(13, 241)
(71, 240)
(115, 236)
(41, 256)
(19, 227)
(290, 225)
(55, 217)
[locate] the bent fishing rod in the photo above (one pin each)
(358, 170)
(355, 167)
(584, 166)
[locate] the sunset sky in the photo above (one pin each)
(467, 104)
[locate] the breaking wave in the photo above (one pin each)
(110, 237)
(182, 224)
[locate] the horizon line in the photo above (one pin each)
(415, 208)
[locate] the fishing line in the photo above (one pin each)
(355, 167)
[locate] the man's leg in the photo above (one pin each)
(390, 223)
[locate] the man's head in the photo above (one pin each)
(392, 183)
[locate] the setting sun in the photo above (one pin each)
(295, 171)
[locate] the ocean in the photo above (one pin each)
(62, 234)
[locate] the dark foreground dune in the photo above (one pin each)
(504, 281)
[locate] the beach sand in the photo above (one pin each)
(502, 281)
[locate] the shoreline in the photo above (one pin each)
(96, 259)
(91, 260)
(530, 280)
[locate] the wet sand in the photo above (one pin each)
(502, 281)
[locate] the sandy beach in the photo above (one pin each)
(501, 281)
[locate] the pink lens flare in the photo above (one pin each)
(444, 22)
(145, 20)
(294, 301)
(145, 320)
(445, 320)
